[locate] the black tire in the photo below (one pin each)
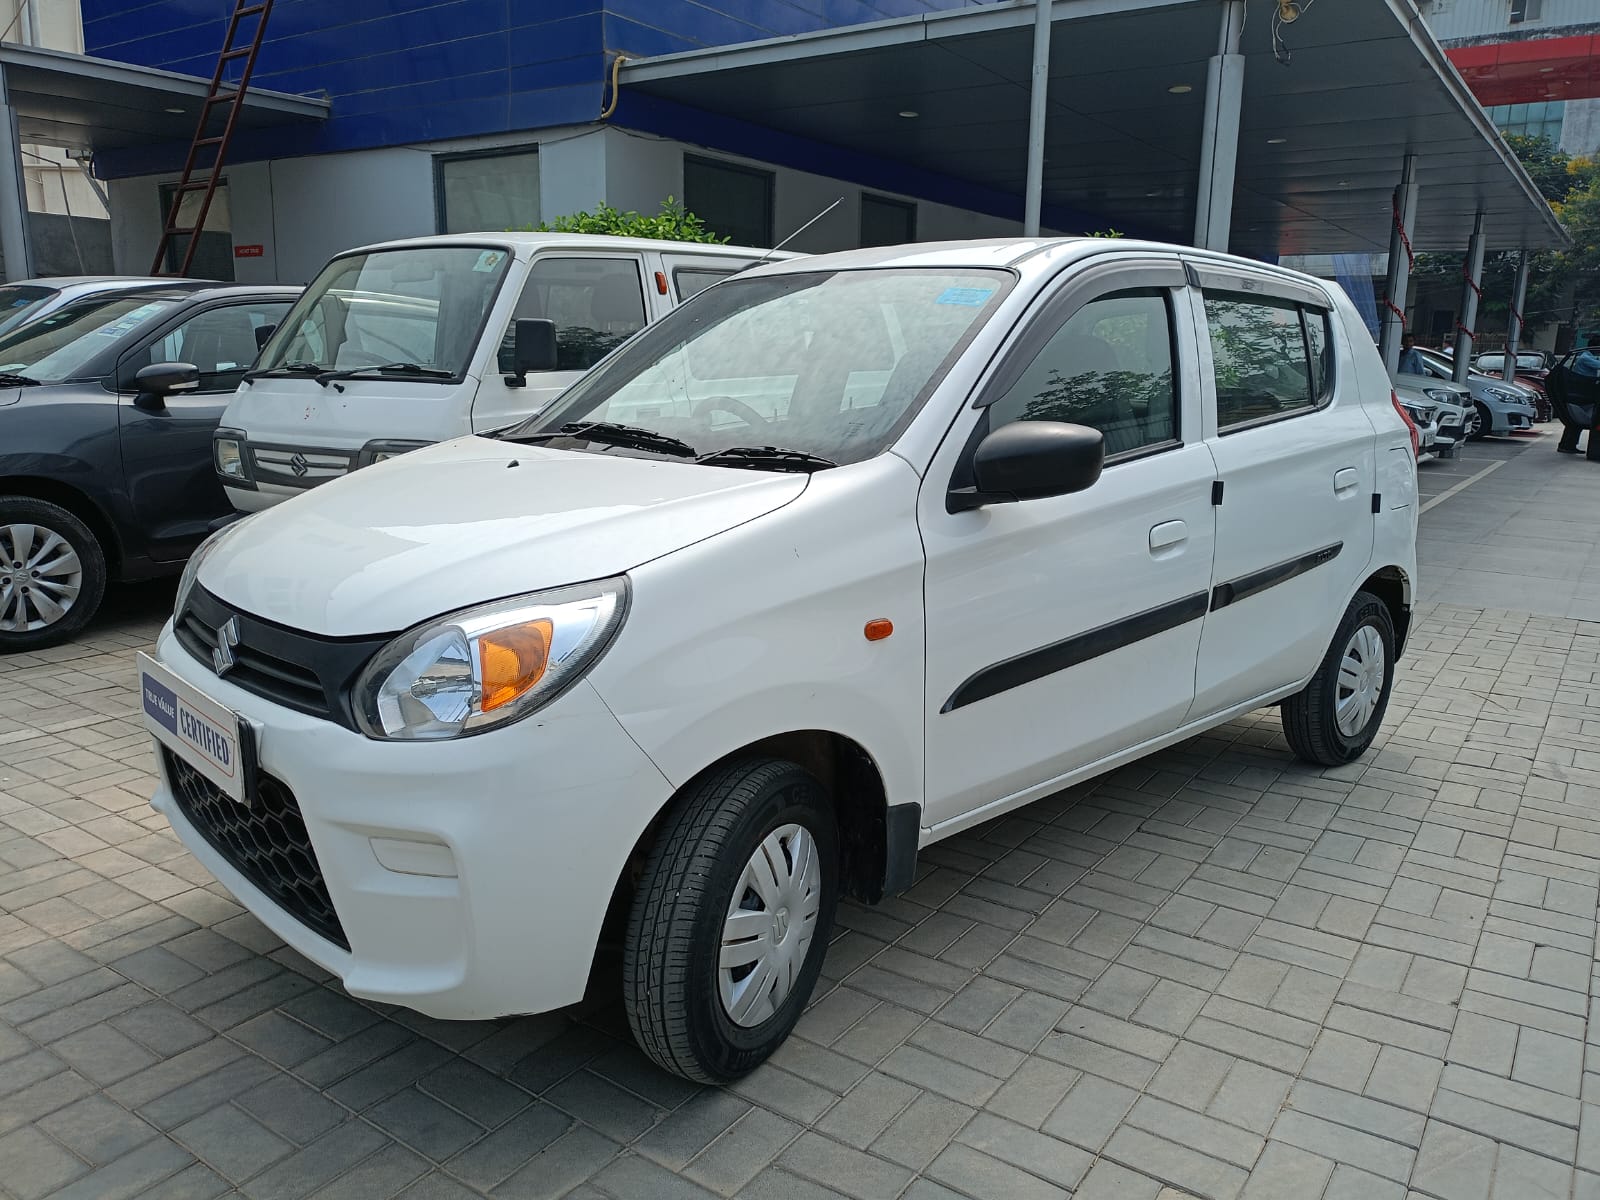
(1485, 422)
(29, 633)
(671, 958)
(1310, 716)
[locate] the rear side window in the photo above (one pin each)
(691, 281)
(1270, 358)
(596, 304)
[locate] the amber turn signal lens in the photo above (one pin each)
(877, 630)
(512, 660)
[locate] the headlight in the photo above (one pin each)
(229, 458)
(384, 449)
(1506, 394)
(1439, 395)
(191, 569)
(486, 666)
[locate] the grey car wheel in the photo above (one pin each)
(52, 574)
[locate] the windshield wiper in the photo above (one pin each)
(774, 458)
(394, 368)
(8, 379)
(294, 368)
(631, 437)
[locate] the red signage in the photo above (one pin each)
(249, 251)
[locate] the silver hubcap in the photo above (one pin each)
(1474, 421)
(40, 577)
(770, 923)
(1360, 681)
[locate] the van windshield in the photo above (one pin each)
(60, 345)
(823, 368)
(420, 305)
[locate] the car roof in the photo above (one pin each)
(530, 242)
(90, 281)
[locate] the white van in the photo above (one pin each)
(727, 633)
(401, 344)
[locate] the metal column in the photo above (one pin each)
(13, 194)
(1219, 146)
(1466, 327)
(1399, 278)
(1038, 98)
(1519, 297)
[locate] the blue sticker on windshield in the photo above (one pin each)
(972, 297)
(489, 260)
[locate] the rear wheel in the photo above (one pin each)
(730, 922)
(52, 574)
(1334, 718)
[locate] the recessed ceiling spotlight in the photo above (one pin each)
(1276, 141)
(1180, 89)
(909, 112)
(175, 110)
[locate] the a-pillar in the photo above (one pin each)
(1467, 326)
(1519, 297)
(13, 195)
(1219, 146)
(1038, 97)
(1404, 209)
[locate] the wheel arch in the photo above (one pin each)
(1393, 586)
(76, 502)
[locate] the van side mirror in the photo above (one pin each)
(1030, 460)
(263, 332)
(154, 383)
(533, 348)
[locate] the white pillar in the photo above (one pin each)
(13, 194)
(1519, 297)
(1038, 98)
(1404, 212)
(1219, 146)
(1470, 286)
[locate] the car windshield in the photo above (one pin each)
(827, 367)
(20, 300)
(419, 304)
(60, 345)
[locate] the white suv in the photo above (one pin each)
(844, 556)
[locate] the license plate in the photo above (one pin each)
(193, 726)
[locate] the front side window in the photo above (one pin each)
(221, 342)
(830, 364)
(1267, 359)
(420, 307)
(596, 304)
(484, 192)
(1109, 367)
(61, 345)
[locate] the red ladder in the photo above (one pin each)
(230, 95)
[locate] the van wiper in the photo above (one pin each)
(294, 368)
(8, 379)
(610, 433)
(394, 368)
(773, 458)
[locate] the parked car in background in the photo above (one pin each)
(29, 299)
(399, 345)
(1439, 411)
(1499, 408)
(845, 556)
(1532, 369)
(107, 406)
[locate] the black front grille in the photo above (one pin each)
(265, 840)
(303, 671)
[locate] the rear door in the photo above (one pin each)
(597, 301)
(1295, 458)
(690, 274)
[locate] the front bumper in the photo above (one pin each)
(470, 877)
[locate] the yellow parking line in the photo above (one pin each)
(1464, 484)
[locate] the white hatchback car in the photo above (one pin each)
(844, 556)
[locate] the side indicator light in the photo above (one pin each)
(661, 283)
(877, 630)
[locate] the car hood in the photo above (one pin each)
(9, 395)
(467, 522)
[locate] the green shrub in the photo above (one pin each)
(671, 224)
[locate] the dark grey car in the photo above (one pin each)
(107, 407)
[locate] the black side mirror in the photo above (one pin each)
(153, 383)
(263, 332)
(1029, 460)
(533, 348)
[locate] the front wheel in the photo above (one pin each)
(1479, 421)
(1334, 718)
(731, 918)
(52, 574)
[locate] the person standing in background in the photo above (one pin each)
(1574, 390)
(1410, 357)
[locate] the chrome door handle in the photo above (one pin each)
(1167, 535)
(1345, 481)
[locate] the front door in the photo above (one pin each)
(1294, 451)
(1061, 631)
(166, 445)
(597, 302)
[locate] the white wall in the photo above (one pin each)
(135, 224)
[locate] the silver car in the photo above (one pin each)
(1498, 408)
(27, 300)
(1439, 411)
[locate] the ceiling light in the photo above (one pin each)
(909, 112)
(175, 110)
(1276, 141)
(1288, 11)
(1180, 89)
(1545, 70)
(1152, 193)
(1344, 183)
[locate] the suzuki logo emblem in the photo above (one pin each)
(227, 638)
(299, 465)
